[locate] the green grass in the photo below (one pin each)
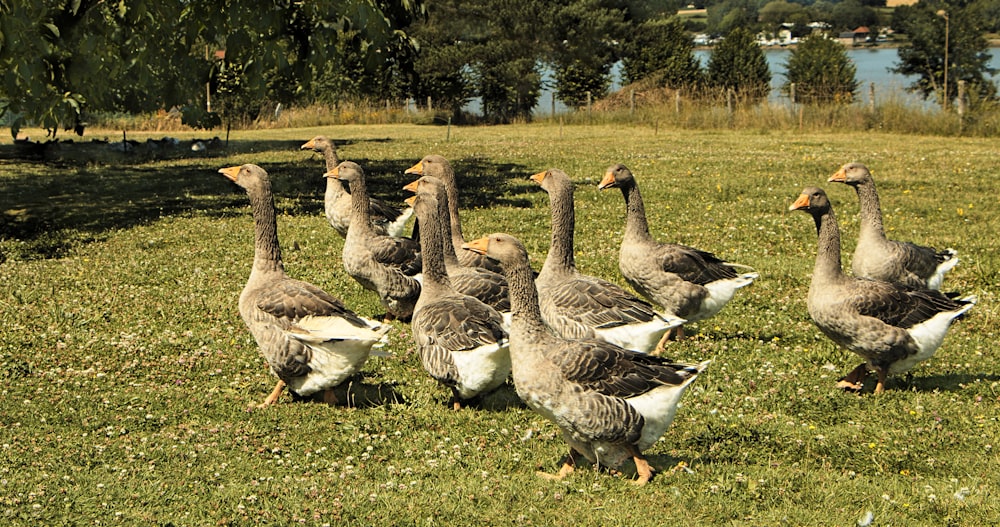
(127, 370)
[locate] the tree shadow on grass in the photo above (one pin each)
(53, 206)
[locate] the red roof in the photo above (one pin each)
(862, 29)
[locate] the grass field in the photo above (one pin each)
(127, 371)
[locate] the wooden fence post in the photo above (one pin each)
(871, 97)
(590, 113)
(677, 102)
(430, 106)
(791, 92)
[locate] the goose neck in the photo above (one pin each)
(636, 225)
(330, 156)
(871, 210)
(455, 221)
(435, 274)
(267, 250)
(560, 254)
(447, 235)
(828, 265)
(525, 312)
(360, 207)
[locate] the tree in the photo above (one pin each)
(505, 59)
(988, 13)
(776, 12)
(728, 15)
(923, 56)
(63, 56)
(662, 48)
(851, 14)
(68, 56)
(443, 56)
(738, 63)
(821, 71)
(584, 47)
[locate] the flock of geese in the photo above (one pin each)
(582, 351)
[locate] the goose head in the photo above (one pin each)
(431, 165)
(851, 174)
(551, 178)
(812, 200)
(617, 175)
(317, 144)
(501, 247)
(248, 176)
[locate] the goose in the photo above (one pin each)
(686, 282)
(577, 305)
(439, 167)
(379, 262)
(386, 219)
(461, 341)
(891, 326)
(311, 341)
(479, 282)
(609, 402)
(879, 258)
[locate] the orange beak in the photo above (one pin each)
(416, 169)
(335, 173)
(539, 177)
(412, 186)
(607, 182)
(801, 203)
(410, 200)
(840, 176)
(230, 172)
(479, 245)
(309, 145)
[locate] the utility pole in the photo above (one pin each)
(944, 101)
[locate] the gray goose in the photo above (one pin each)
(439, 167)
(461, 341)
(311, 341)
(577, 305)
(609, 402)
(880, 258)
(689, 283)
(379, 262)
(891, 326)
(479, 282)
(386, 219)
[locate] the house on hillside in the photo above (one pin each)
(859, 36)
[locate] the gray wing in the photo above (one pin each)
(578, 305)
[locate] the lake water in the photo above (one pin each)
(872, 66)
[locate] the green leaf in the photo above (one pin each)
(52, 29)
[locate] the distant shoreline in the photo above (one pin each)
(992, 43)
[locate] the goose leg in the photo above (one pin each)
(642, 466)
(273, 397)
(882, 374)
(568, 467)
(854, 380)
(456, 403)
(330, 397)
(675, 333)
(661, 346)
